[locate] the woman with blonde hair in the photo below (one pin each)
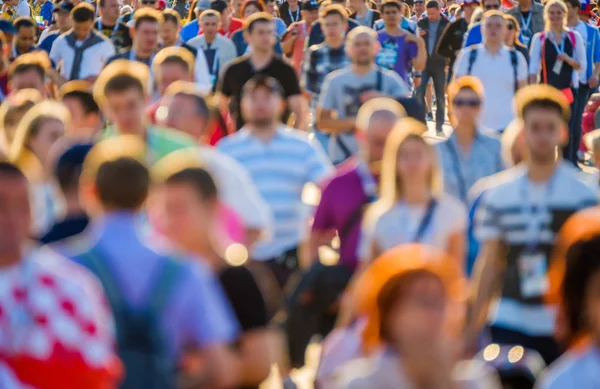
(412, 207)
(39, 130)
(512, 36)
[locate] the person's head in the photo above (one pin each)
(573, 9)
(28, 71)
(525, 3)
(555, 15)
(172, 64)
(115, 176)
(357, 5)
(375, 120)
(85, 112)
(408, 160)
(210, 22)
(223, 8)
(391, 11)
(150, 4)
(468, 7)
(68, 167)
(186, 109)
(545, 112)
(262, 101)
(433, 10)
(169, 33)
(15, 211)
(465, 95)
(412, 307)
(147, 25)
(513, 29)
(236, 8)
(581, 288)
(490, 5)
(109, 10)
(419, 7)
(514, 148)
(11, 3)
(334, 21)
(26, 29)
(362, 45)
(260, 32)
(252, 7)
(592, 142)
(39, 130)
(83, 16)
(63, 16)
(493, 27)
(12, 111)
(120, 91)
(190, 199)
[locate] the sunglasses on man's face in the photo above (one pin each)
(471, 103)
(146, 2)
(492, 6)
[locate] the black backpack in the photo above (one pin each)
(514, 61)
(140, 343)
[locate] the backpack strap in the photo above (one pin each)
(379, 80)
(472, 58)
(163, 285)
(514, 61)
(573, 40)
(544, 70)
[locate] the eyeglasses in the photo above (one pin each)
(510, 26)
(148, 2)
(472, 103)
(493, 6)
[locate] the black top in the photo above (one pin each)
(245, 297)
(67, 228)
(289, 16)
(523, 50)
(452, 39)
(562, 80)
(119, 37)
(423, 25)
(240, 70)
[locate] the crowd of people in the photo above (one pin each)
(193, 193)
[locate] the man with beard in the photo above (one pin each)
(517, 225)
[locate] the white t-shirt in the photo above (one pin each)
(582, 30)
(496, 73)
(535, 55)
(399, 225)
(93, 61)
(23, 9)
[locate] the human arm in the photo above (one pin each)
(323, 227)
(419, 61)
(299, 107)
(535, 58)
(579, 60)
(289, 38)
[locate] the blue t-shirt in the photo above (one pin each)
(190, 30)
(46, 11)
(48, 41)
(474, 36)
(395, 54)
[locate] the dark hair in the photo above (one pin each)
(9, 170)
(23, 21)
(335, 9)
(542, 103)
(260, 17)
(582, 265)
(200, 104)
(147, 15)
(122, 82)
(391, 293)
(199, 179)
(574, 3)
(170, 15)
(25, 67)
(391, 3)
(256, 3)
(85, 98)
(83, 12)
(263, 81)
(432, 4)
(122, 183)
(69, 166)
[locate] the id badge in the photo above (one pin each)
(533, 274)
(557, 66)
(526, 40)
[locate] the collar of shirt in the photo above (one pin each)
(367, 180)
(120, 226)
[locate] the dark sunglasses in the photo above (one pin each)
(510, 26)
(148, 2)
(490, 7)
(473, 103)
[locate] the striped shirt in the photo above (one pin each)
(319, 61)
(279, 168)
(461, 170)
(577, 369)
(525, 217)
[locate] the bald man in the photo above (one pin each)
(343, 92)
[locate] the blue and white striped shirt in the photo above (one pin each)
(574, 370)
(279, 168)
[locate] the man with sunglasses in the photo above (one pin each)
(530, 16)
(474, 34)
(501, 70)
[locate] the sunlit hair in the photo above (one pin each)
(112, 149)
(28, 128)
(391, 186)
(509, 138)
(13, 110)
(147, 15)
(173, 54)
(334, 9)
(541, 95)
(491, 14)
(511, 19)
(210, 12)
(375, 106)
(38, 60)
(120, 70)
(554, 3)
(476, 17)
(465, 82)
(361, 30)
(174, 163)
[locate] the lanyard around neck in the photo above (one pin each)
(296, 17)
(114, 30)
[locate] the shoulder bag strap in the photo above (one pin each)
(163, 285)
(425, 221)
(96, 262)
(544, 69)
(515, 63)
(472, 59)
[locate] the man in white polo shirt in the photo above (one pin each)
(501, 70)
(83, 52)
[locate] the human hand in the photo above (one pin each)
(593, 81)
